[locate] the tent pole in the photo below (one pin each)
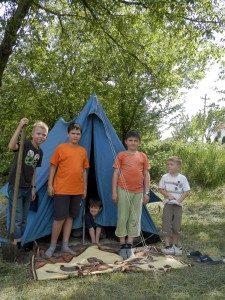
(83, 241)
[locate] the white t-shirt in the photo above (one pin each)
(175, 185)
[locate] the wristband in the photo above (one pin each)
(33, 186)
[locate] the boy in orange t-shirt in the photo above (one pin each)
(130, 176)
(67, 182)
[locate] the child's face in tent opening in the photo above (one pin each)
(74, 136)
(94, 210)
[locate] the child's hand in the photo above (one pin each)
(171, 197)
(51, 191)
(84, 195)
(23, 121)
(146, 199)
(115, 197)
(33, 194)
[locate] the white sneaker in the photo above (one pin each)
(177, 250)
(168, 250)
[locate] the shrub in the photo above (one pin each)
(203, 164)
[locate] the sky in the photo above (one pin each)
(194, 98)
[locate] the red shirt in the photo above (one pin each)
(132, 166)
(71, 162)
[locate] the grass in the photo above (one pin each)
(203, 230)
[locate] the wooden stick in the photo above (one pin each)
(17, 182)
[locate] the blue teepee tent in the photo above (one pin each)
(102, 144)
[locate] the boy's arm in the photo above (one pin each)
(166, 194)
(114, 185)
(146, 186)
(33, 191)
(14, 139)
(183, 196)
(51, 176)
(85, 184)
(98, 233)
(92, 235)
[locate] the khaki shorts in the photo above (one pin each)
(129, 213)
(172, 216)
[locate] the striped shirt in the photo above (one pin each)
(175, 185)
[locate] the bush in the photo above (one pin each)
(203, 164)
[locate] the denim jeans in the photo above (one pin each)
(22, 209)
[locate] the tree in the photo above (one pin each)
(201, 126)
(13, 24)
(134, 54)
(213, 118)
(191, 23)
(186, 128)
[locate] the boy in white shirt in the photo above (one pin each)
(174, 187)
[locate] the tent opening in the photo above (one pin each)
(92, 189)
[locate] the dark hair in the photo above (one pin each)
(132, 133)
(94, 202)
(75, 126)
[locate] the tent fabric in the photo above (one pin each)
(98, 137)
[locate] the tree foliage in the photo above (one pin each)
(134, 54)
(202, 163)
(199, 127)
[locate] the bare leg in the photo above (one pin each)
(130, 240)
(92, 235)
(56, 229)
(122, 240)
(166, 241)
(175, 239)
(67, 226)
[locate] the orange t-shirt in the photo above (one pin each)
(132, 166)
(70, 162)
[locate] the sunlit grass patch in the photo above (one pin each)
(202, 229)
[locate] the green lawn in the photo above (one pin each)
(203, 230)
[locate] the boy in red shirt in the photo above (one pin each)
(67, 182)
(130, 175)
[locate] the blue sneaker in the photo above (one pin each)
(130, 252)
(123, 251)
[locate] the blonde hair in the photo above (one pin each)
(40, 124)
(175, 159)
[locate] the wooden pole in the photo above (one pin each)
(17, 182)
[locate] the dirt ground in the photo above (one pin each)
(23, 255)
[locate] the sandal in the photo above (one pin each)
(194, 254)
(207, 259)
